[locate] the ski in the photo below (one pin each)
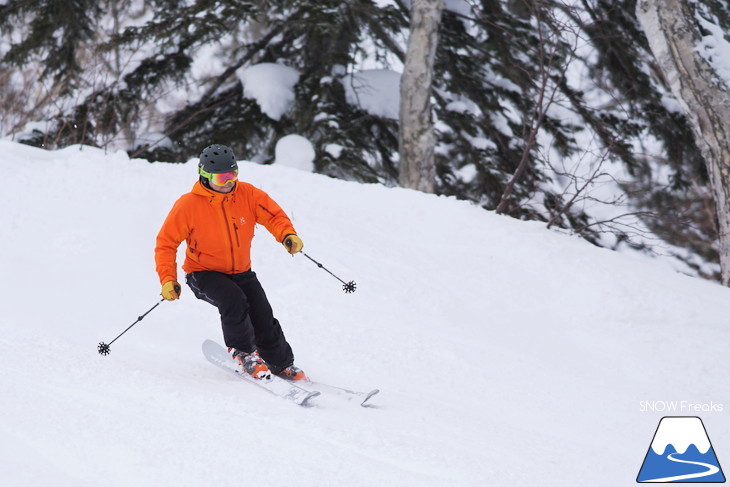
(355, 396)
(217, 355)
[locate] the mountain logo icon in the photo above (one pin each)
(681, 452)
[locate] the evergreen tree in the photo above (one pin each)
(505, 108)
(677, 208)
(63, 37)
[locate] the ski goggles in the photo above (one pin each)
(220, 178)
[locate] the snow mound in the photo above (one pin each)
(296, 152)
(271, 85)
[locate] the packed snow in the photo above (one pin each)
(271, 85)
(506, 354)
(295, 151)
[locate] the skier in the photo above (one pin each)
(217, 219)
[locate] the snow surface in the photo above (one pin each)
(507, 354)
(271, 85)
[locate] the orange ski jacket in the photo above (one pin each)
(218, 229)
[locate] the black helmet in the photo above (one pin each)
(217, 158)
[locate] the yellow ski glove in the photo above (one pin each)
(171, 290)
(293, 244)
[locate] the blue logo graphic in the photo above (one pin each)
(681, 452)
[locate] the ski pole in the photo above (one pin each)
(348, 287)
(104, 349)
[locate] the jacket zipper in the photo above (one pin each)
(238, 241)
(230, 238)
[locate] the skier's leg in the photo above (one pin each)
(270, 340)
(222, 292)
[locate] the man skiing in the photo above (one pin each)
(217, 219)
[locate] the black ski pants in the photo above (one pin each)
(246, 316)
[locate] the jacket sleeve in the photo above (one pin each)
(270, 215)
(174, 230)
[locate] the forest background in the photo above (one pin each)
(548, 110)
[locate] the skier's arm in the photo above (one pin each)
(172, 233)
(270, 215)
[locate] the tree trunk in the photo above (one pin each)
(674, 36)
(416, 135)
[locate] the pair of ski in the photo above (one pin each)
(298, 392)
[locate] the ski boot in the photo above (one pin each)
(292, 373)
(252, 364)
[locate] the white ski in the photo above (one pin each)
(218, 355)
(356, 396)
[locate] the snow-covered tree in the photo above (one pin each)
(535, 103)
(692, 52)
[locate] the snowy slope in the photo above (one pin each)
(507, 355)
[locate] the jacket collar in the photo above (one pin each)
(212, 196)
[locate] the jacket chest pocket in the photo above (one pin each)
(241, 224)
(236, 234)
(242, 230)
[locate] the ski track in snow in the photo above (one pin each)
(506, 354)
